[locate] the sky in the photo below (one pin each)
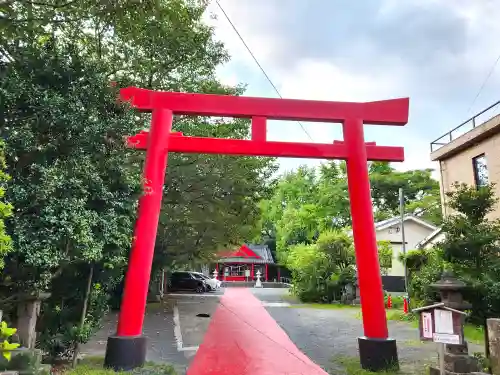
(436, 52)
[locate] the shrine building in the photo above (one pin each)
(242, 264)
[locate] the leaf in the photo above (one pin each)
(7, 348)
(6, 331)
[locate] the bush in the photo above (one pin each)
(422, 278)
(321, 271)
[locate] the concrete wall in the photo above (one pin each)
(459, 168)
(414, 233)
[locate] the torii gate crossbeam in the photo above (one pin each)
(127, 349)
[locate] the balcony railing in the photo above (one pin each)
(466, 126)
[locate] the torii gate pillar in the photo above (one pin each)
(127, 349)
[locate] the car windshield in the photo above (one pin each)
(200, 276)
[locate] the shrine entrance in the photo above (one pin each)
(127, 349)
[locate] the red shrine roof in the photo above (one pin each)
(258, 254)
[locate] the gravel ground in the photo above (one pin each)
(158, 324)
(322, 334)
(325, 334)
(163, 345)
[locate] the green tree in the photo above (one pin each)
(74, 185)
(333, 197)
(421, 192)
(471, 246)
(385, 252)
(309, 201)
(288, 215)
(304, 203)
(470, 249)
(425, 267)
(210, 202)
(5, 210)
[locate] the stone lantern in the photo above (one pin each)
(258, 283)
(450, 291)
(456, 357)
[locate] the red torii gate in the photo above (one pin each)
(127, 349)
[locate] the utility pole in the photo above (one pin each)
(403, 240)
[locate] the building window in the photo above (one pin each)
(480, 170)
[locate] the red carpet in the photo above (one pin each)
(244, 339)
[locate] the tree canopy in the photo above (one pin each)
(310, 201)
(470, 249)
(5, 210)
(74, 185)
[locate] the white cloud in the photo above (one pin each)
(321, 80)
(366, 63)
(247, 16)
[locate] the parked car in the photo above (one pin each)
(187, 281)
(213, 284)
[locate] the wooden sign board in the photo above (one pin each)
(441, 325)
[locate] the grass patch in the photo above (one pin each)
(400, 316)
(474, 334)
(397, 315)
(291, 298)
(94, 366)
(412, 343)
(323, 306)
(352, 367)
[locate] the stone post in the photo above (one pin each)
(494, 344)
(456, 357)
(357, 299)
(28, 310)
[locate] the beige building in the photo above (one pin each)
(470, 154)
(416, 230)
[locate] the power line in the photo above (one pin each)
(484, 83)
(256, 61)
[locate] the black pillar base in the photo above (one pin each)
(125, 353)
(378, 354)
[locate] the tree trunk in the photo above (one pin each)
(84, 312)
(487, 353)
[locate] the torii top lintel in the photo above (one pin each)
(385, 112)
(352, 115)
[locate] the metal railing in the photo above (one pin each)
(466, 126)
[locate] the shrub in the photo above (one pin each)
(321, 271)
